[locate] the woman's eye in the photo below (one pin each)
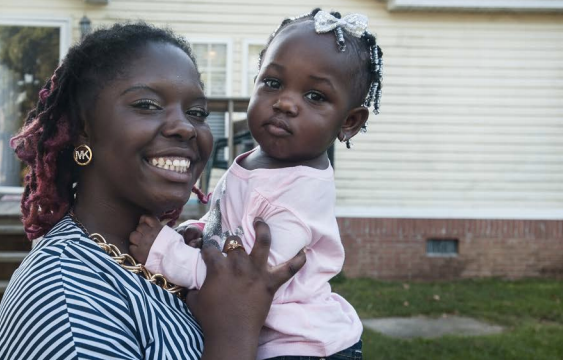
(315, 96)
(199, 113)
(146, 104)
(272, 83)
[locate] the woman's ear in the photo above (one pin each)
(357, 117)
(83, 137)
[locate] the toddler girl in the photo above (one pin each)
(318, 77)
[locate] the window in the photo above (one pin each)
(30, 51)
(214, 62)
(250, 63)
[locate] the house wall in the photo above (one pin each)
(472, 105)
(395, 249)
(470, 127)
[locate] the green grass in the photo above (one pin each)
(531, 311)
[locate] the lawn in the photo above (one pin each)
(531, 311)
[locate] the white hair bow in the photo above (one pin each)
(354, 24)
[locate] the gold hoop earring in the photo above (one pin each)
(82, 155)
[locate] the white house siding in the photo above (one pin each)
(471, 122)
(472, 110)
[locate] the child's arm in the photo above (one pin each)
(163, 251)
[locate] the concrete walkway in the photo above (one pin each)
(423, 327)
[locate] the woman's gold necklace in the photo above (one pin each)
(127, 262)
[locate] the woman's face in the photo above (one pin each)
(147, 131)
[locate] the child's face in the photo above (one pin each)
(302, 94)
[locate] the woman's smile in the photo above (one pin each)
(180, 165)
(175, 173)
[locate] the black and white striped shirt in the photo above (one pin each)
(69, 300)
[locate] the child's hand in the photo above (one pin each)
(141, 240)
(193, 236)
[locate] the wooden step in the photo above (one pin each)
(14, 246)
(13, 238)
(12, 256)
(3, 286)
(9, 262)
(7, 229)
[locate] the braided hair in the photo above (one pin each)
(367, 80)
(45, 143)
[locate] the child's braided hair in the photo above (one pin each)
(45, 143)
(369, 76)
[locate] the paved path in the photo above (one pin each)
(423, 327)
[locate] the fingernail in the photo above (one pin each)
(258, 219)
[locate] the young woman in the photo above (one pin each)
(121, 98)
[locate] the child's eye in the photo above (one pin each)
(315, 96)
(272, 83)
(202, 114)
(146, 104)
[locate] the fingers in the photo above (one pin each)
(284, 272)
(150, 221)
(233, 244)
(261, 247)
(135, 247)
(196, 243)
(135, 237)
(211, 255)
(192, 233)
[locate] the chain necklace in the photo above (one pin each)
(127, 262)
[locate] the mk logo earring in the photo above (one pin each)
(82, 155)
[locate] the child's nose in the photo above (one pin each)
(286, 105)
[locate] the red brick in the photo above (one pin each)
(396, 248)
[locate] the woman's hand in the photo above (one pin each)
(236, 296)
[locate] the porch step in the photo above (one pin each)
(12, 256)
(9, 262)
(11, 229)
(3, 286)
(14, 247)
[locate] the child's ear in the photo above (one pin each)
(357, 117)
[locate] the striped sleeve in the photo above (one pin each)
(68, 300)
(64, 311)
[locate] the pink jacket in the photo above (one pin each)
(306, 318)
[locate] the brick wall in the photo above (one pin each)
(396, 248)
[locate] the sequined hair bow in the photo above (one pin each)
(354, 24)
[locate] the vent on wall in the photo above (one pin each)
(442, 247)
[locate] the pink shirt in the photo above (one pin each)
(306, 318)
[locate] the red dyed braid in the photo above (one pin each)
(39, 144)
